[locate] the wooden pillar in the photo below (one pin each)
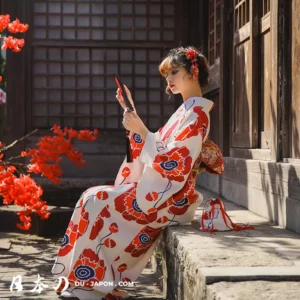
(225, 76)
(275, 122)
(253, 109)
(16, 76)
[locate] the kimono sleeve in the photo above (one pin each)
(166, 171)
(132, 172)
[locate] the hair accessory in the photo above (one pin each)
(192, 56)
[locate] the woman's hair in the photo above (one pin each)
(176, 57)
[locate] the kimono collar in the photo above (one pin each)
(199, 101)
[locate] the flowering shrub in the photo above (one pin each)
(10, 42)
(16, 185)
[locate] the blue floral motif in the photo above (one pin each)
(182, 202)
(144, 238)
(169, 165)
(136, 206)
(65, 240)
(84, 272)
(137, 138)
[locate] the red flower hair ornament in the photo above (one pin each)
(192, 55)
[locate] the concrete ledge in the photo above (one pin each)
(67, 193)
(196, 260)
(253, 290)
(67, 183)
(213, 275)
(55, 225)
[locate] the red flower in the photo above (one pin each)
(73, 233)
(163, 219)
(125, 172)
(87, 135)
(83, 222)
(105, 212)
(89, 268)
(127, 205)
(122, 268)
(13, 43)
(97, 227)
(69, 239)
(4, 21)
(136, 144)
(16, 26)
(22, 191)
(191, 54)
(143, 241)
(113, 228)
(180, 207)
(153, 196)
(200, 126)
(174, 164)
(110, 243)
(102, 195)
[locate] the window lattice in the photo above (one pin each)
(264, 7)
(214, 31)
(112, 20)
(75, 87)
(242, 13)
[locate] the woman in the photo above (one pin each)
(114, 229)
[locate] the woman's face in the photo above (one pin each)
(178, 79)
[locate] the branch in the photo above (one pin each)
(20, 168)
(17, 141)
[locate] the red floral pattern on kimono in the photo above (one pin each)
(174, 164)
(74, 232)
(89, 268)
(114, 228)
(136, 144)
(143, 241)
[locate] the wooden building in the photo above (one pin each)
(73, 47)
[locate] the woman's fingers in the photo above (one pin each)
(120, 98)
(127, 90)
(129, 95)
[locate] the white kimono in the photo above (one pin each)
(114, 229)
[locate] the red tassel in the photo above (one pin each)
(235, 227)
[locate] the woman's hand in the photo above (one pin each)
(132, 122)
(121, 100)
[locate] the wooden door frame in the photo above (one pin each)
(250, 139)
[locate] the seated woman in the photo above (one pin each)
(114, 228)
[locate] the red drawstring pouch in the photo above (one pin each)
(214, 218)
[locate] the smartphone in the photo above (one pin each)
(124, 94)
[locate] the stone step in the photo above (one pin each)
(253, 290)
(56, 224)
(199, 265)
(68, 191)
(61, 200)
